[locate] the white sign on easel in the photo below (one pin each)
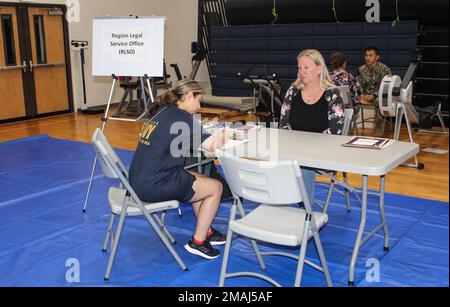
(128, 46)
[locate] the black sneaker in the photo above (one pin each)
(204, 250)
(217, 238)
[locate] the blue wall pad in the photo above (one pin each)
(43, 183)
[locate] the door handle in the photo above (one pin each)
(9, 68)
(34, 66)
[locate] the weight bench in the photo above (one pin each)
(225, 107)
(241, 104)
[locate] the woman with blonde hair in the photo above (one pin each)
(312, 104)
(157, 171)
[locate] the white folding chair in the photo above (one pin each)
(124, 202)
(331, 186)
(276, 185)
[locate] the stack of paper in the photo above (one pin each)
(213, 126)
(242, 133)
(368, 142)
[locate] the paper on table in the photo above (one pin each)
(233, 143)
(369, 142)
(365, 142)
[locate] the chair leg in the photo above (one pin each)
(164, 228)
(355, 122)
(362, 118)
(163, 238)
(226, 254)
(347, 193)
(322, 258)
(301, 258)
(330, 192)
(441, 119)
(109, 233)
(253, 242)
(258, 255)
(383, 127)
(116, 242)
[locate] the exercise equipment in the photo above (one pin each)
(143, 94)
(266, 93)
(127, 100)
(395, 100)
(80, 47)
(427, 115)
(199, 55)
(241, 104)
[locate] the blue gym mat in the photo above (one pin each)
(43, 182)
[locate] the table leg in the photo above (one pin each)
(383, 216)
(362, 225)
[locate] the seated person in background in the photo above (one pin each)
(340, 77)
(312, 104)
(157, 171)
(370, 76)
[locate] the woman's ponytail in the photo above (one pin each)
(171, 97)
(167, 98)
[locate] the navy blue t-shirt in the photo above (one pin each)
(157, 170)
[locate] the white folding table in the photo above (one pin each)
(326, 152)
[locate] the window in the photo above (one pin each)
(8, 40)
(40, 39)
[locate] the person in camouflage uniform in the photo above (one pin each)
(370, 76)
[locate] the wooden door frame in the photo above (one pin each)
(29, 82)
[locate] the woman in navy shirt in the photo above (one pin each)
(157, 171)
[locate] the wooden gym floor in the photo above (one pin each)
(431, 182)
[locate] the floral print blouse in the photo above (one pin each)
(344, 78)
(335, 110)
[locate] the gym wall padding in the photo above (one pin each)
(273, 49)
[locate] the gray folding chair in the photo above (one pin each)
(344, 89)
(331, 186)
(124, 202)
(276, 185)
(345, 92)
(376, 119)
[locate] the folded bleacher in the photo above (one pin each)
(273, 49)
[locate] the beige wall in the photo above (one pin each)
(181, 30)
